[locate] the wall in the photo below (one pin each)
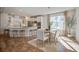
(77, 24)
(0, 23)
(3, 21)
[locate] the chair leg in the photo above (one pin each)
(43, 44)
(55, 41)
(37, 42)
(49, 41)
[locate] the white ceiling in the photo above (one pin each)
(31, 11)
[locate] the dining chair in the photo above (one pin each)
(52, 36)
(6, 32)
(13, 33)
(57, 36)
(22, 33)
(41, 36)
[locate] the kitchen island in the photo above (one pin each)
(21, 31)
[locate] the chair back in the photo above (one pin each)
(57, 34)
(40, 34)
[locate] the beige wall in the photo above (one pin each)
(77, 24)
(3, 21)
(0, 23)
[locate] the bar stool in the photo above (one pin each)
(30, 33)
(15, 33)
(6, 32)
(22, 32)
(33, 32)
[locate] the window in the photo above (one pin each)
(56, 22)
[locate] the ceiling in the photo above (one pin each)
(32, 11)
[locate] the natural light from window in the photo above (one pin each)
(56, 23)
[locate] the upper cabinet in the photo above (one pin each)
(43, 21)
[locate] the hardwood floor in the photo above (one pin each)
(8, 44)
(16, 45)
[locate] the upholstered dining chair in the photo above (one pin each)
(42, 36)
(58, 32)
(52, 36)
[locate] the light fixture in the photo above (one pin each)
(48, 7)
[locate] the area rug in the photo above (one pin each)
(46, 48)
(58, 47)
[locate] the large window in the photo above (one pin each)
(57, 22)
